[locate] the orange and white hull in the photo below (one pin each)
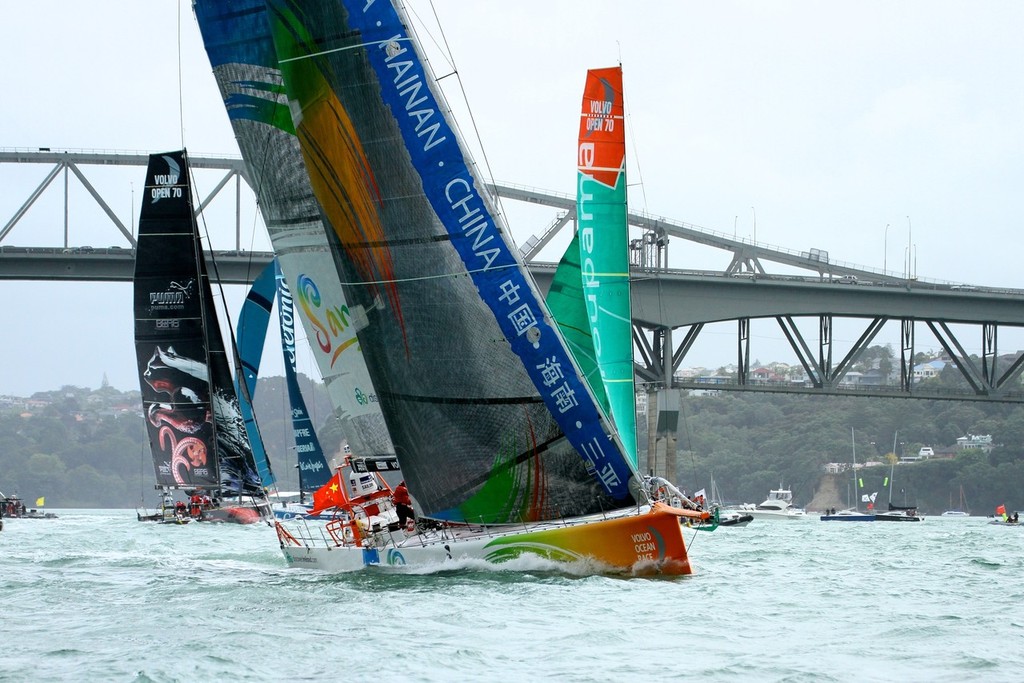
(649, 541)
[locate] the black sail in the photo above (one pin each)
(196, 431)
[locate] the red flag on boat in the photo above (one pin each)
(1001, 510)
(332, 494)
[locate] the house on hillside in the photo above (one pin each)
(929, 370)
(975, 442)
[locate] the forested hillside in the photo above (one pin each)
(751, 443)
(85, 448)
(80, 447)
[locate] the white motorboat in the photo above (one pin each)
(778, 505)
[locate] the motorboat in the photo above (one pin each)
(778, 505)
(734, 518)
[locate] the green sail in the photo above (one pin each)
(563, 301)
(603, 236)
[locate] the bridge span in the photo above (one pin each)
(671, 307)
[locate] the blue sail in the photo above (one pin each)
(252, 333)
(314, 471)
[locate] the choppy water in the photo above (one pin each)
(96, 595)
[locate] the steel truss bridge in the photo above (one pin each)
(671, 307)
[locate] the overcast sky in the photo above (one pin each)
(819, 123)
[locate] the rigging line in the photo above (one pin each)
(447, 53)
(628, 115)
(422, 278)
(181, 107)
(689, 440)
(345, 48)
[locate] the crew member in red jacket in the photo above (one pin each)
(403, 506)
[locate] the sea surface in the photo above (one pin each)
(95, 595)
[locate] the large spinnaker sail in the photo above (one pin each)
(236, 34)
(490, 418)
(196, 431)
(603, 236)
(253, 321)
(314, 471)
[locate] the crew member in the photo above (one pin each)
(403, 505)
(196, 505)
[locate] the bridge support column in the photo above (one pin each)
(906, 355)
(662, 429)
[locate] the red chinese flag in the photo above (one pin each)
(330, 495)
(1001, 510)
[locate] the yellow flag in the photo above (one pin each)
(40, 501)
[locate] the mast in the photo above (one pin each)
(853, 445)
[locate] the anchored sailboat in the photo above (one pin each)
(197, 434)
(961, 510)
(897, 513)
(853, 513)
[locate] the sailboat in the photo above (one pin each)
(503, 446)
(197, 434)
(853, 513)
(897, 513)
(959, 511)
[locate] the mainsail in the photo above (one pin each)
(196, 431)
(490, 418)
(236, 34)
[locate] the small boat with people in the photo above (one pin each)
(726, 516)
(13, 506)
(1004, 518)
